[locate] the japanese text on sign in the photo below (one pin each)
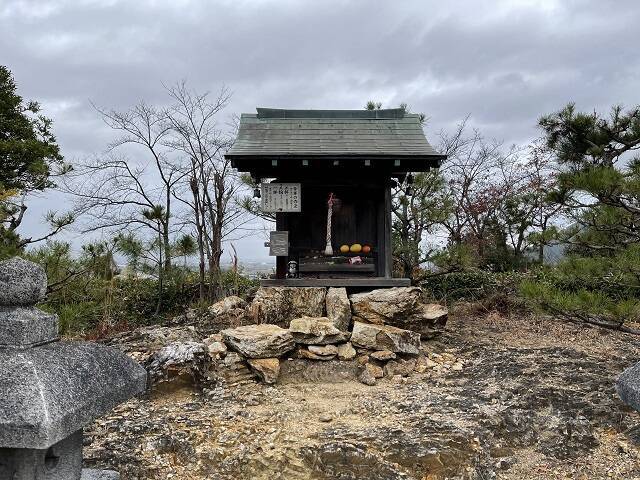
(280, 197)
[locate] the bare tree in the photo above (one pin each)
(116, 192)
(469, 172)
(213, 184)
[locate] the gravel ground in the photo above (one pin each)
(535, 400)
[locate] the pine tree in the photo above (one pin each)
(600, 185)
(28, 155)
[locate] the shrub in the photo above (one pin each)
(471, 285)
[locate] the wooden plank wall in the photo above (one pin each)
(361, 217)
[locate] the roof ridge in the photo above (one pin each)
(286, 113)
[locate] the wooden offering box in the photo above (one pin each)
(338, 165)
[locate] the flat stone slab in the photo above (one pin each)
(296, 370)
(628, 386)
(51, 391)
(259, 341)
(316, 331)
(385, 337)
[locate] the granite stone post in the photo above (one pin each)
(50, 389)
(628, 386)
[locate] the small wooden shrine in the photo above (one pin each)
(327, 175)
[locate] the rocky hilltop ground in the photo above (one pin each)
(490, 397)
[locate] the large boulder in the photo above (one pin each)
(316, 331)
(385, 337)
(259, 341)
(628, 386)
(178, 364)
(280, 305)
(385, 305)
(429, 320)
(339, 308)
(144, 342)
(401, 307)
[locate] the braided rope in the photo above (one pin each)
(329, 249)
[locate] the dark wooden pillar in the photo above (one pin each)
(388, 245)
(281, 262)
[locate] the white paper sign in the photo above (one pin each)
(280, 197)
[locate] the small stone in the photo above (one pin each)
(216, 337)
(362, 360)
(323, 350)
(318, 352)
(267, 369)
(375, 370)
(383, 355)
(399, 367)
(325, 418)
(456, 367)
(217, 349)
(396, 379)
(233, 359)
(421, 368)
(430, 363)
(346, 351)
(367, 378)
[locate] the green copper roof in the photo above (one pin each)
(281, 132)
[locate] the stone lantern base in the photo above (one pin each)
(62, 461)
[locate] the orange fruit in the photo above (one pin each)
(344, 249)
(366, 249)
(356, 248)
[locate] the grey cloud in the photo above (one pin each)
(504, 62)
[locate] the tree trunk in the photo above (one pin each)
(200, 237)
(160, 272)
(165, 232)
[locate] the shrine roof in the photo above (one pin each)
(281, 133)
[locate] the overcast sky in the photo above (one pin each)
(503, 62)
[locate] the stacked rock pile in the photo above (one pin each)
(381, 330)
(366, 335)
